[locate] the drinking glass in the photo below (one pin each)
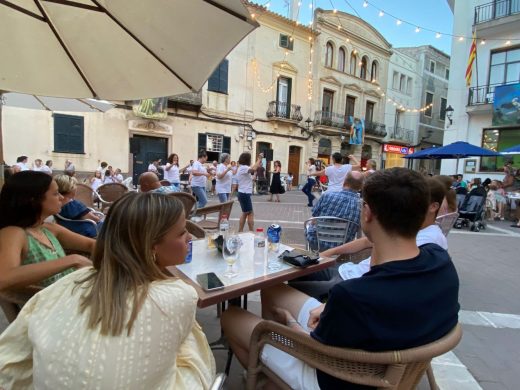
(230, 250)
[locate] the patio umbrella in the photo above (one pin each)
(511, 150)
(13, 99)
(116, 49)
(455, 150)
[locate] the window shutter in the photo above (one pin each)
(284, 40)
(224, 76)
(226, 145)
(214, 80)
(202, 142)
(68, 133)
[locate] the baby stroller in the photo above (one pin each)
(472, 213)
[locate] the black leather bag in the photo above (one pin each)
(299, 258)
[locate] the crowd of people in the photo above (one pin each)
(118, 300)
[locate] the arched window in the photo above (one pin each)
(329, 53)
(341, 60)
(364, 64)
(373, 71)
(353, 64)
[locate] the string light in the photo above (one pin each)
(398, 22)
(417, 29)
(438, 35)
(381, 14)
(365, 4)
(461, 39)
(483, 42)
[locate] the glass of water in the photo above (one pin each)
(230, 251)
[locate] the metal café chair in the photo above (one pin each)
(330, 230)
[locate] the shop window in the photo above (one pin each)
(497, 140)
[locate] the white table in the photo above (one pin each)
(251, 277)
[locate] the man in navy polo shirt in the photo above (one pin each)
(407, 299)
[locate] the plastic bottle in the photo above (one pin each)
(260, 248)
(224, 224)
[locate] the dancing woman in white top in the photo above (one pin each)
(123, 324)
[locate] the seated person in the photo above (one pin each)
(318, 284)
(343, 204)
(409, 297)
(31, 251)
(75, 210)
(124, 323)
(477, 188)
(149, 182)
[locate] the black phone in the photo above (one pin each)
(210, 281)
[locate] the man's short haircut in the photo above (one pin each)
(202, 153)
(337, 157)
(354, 181)
(399, 198)
(21, 159)
(459, 176)
(104, 164)
(437, 190)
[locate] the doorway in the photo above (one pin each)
(144, 150)
(294, 163)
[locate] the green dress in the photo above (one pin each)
(37, 253)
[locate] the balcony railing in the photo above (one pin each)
(284, 111)
(375, 128)
(331, 119)
(401, 134)
(496, 10)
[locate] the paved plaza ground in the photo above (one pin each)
(488, 266)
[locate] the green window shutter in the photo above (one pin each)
(226, 145)
(69, 134)
(202, 142)
(224, 76)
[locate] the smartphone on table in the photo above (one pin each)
(209, 281)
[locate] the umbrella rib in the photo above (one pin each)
(42, 103)
(64, 47)
(22, 10)
(227, 10)
(134, 37)
(89, 105)
(74, 4)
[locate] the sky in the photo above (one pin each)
(425, 14)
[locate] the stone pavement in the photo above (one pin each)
(488, 266)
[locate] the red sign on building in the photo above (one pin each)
(391, 148)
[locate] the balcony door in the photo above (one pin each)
(350, 107)
(369, 112)
(283, 97)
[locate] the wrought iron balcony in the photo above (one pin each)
(481, 95)
(401, 134)
(496, 10)
(331, 119)
(375, 129)
(283, 110)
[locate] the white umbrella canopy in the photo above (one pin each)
(13, 99)
(116, 49)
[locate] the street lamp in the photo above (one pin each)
(449, 114)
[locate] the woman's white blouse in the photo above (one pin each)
(49, 345)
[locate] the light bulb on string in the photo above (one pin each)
(483, 42)
(381, 14)
(398, 22)
(417, 29)
(365, 4)
(461, 39)
(334, 11)
(508, 43)
(438, 35)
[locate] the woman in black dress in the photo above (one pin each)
(276, 184)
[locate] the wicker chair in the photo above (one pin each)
(109, 193)
(189, 202)
(221, 209)
(11, 302)
(85, 194)
(195, 230)
(397, 370)
(330, 229)
(446, 222)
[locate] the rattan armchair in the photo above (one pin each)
(85, 194)
(109, 193)
(397, 370)
(188, 201)
(11, 302)
(220, 209)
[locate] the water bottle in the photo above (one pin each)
(189, 254)
(224, 225)
(259, 242)
(274, 233)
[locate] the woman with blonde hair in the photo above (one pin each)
(125, 323)
(75, 210)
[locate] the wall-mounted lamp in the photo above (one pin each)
(449, 114)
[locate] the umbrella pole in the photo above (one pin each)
(457, 169)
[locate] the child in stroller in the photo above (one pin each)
(472, 212)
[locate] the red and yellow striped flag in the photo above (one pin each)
(471, 59)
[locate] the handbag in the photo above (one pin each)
(299, 258)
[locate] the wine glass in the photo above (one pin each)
(230, 250)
